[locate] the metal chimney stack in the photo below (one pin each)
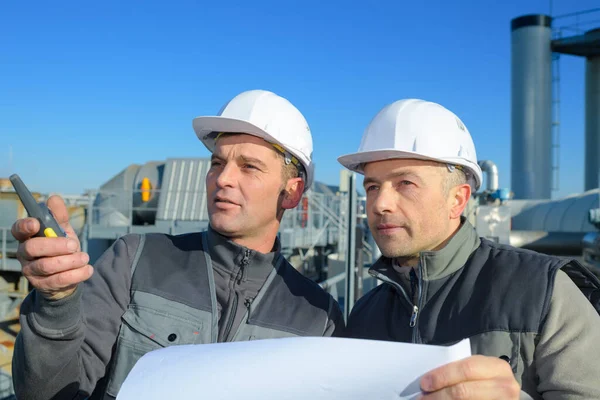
(531, 108)
(531, 114)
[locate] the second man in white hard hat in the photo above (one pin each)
(529, 325)
(82, 330)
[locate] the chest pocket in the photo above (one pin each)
(145, 328)
(504, 345)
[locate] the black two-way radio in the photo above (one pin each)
(48, 225)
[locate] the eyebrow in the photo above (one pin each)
(245, 159)
(400, 174)
(253, 160)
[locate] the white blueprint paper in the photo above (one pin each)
(315, 368)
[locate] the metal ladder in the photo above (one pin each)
(555, 127)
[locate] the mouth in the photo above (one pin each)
(223, 201)
(387, 229)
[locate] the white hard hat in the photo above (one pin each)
(413, 128)
(266, 115)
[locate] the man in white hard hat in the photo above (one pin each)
(529, 325)
(82, 331)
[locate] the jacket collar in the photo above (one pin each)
(441, 263)
(230, 255)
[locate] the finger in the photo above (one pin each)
(62, 280)
(46, 247)
(496, 389)
(469, 369)
(25, 228)
(57, 205)
(52, 265)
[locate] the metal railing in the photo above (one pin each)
(6, 385)
(4, 235)
(575, 23)
(317, 220)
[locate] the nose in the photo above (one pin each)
(383, 201)
(226, 176)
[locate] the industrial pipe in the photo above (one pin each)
(491, 170)
(554, 243)
(592, 121)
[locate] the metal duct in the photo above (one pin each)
(491, 170)
(555, 243)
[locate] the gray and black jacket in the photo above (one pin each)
(511, 303)
(155, 290)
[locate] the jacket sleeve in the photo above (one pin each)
(335, 321)
(567, 354)
(65, 345)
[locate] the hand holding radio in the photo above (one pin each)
(49, 250)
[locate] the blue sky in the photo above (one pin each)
(88, 88)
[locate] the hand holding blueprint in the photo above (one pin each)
(315, 368)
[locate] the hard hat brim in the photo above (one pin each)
(203, 126)
(355, 161)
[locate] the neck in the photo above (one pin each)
(413, 261)
(262, 244)
(261, 241)
(452, 229)
(408, 261)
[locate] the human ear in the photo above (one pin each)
(459, 198)
(292, 193)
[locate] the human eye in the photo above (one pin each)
(250, 166)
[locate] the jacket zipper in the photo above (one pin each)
(385, 279)
(245, 261)
(414, 283)
(413, 318)
(231, 317)
(241, 276)
(415, 315)
(415, 307)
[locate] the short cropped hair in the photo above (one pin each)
(453, 178)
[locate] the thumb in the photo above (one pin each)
(57, 205)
